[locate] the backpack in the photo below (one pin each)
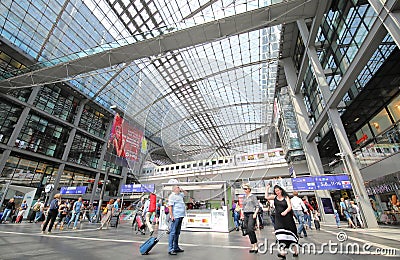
(350, 209)
(36, 207)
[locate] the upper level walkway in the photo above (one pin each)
(24, 241)
(228, 173)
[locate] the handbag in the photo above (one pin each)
(243, 227)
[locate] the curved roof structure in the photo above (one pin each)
(199, 75)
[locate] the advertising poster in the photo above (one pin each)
(125, 140)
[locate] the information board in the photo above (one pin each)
(132, 188)
(326, 182)
(73, 190)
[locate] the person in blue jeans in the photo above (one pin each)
(10, 207)
(76, 212)
(177, 211)
(236, 214)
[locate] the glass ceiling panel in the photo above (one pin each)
(205, 100)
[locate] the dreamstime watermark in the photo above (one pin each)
(339, 246)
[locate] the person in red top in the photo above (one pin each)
(307, 216)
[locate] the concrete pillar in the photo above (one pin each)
(389, 14)
(101, 161)
(310, 148)
(68, 146)
(340, 133)
(122, 181)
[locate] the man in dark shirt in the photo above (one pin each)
(10, 207)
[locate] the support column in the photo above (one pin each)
(340, 133)
(122, 181)
(310, 148)
(18, 127)
(389, 16)
(100, 164)
(361, 195)
(67, 149)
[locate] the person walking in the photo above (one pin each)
(285, 227)
(250, 210)
(344, 211)
(9, 209)
(39, 213)
(356, 215)
(52, 213)
(337, 218)
(299, 208)
(146, 215)
(177, 211)
(22, 208)
(109, 211)
(236, 214)
(76, 212)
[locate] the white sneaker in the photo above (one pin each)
(73, 228)
(43, 233)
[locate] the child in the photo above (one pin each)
(337, 218)
(316, 220)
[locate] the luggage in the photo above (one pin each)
(148, 245)
(114, 221)
(317, 224)
(19, 219)
(140, 222)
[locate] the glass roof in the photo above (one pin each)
(203, 101)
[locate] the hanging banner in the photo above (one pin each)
(73, 190)
(325, 182)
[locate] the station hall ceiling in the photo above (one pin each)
(198, 75)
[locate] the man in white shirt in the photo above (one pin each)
(299, 208)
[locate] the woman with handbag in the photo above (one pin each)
(285, 227)
(250, 211)
(108, 213)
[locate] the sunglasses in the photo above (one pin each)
(245, 189)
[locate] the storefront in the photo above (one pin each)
(384, 198)
(207, 206)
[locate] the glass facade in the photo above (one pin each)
(9, 114)
(56, 102)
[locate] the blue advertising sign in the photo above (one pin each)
(303, 183)
(148, 187)
(326, 182)
(73, 190)
(131, 188)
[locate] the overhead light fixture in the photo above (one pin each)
(355, 120)
(113, 107)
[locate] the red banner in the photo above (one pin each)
(125, 139)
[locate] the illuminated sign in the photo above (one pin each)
(325, 182)
(131, 188)
(73, 190)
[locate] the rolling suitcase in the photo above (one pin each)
(148, 245)
(141, 226)
(19, 219)
(114, 221)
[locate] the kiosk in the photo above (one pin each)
(211, 214)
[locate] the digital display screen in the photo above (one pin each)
(326, 182)
(73, 190)
(131, 188)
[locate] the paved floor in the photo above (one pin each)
(24, 241)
